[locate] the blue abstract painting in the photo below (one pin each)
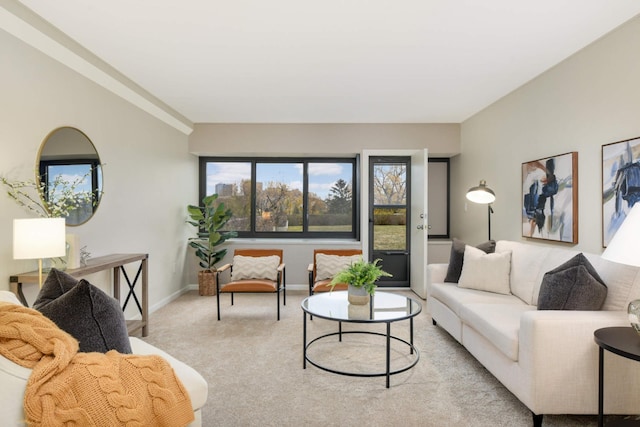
(620, 184)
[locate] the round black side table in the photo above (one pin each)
(623, 341)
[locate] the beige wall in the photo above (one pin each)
(149, 177)
(590, 99)
(442, 140)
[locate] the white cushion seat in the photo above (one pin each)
(498, 323)
(455, 298)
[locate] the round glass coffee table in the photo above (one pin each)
(384, 307)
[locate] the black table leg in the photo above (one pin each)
(388, 352)
(304, 340)
(600, 387)
(411, 333)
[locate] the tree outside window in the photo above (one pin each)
(299, 197)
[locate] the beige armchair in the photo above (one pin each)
(254, 271)
(326, 263)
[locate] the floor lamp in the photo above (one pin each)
(485, 196)
(38, 238)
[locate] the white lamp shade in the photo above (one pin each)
(624, 248)
(37, 238)
(481, 194)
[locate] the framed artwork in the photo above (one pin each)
(620, 184)
(550, 198)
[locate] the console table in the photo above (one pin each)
(95, 265)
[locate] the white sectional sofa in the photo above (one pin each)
(547, 358)
(14, 377)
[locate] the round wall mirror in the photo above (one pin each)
(70, 175)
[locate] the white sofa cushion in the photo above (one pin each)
(623, 282)
(526, 261)
(455, 297)
(485, 272)
(6, 296)
(498, 323)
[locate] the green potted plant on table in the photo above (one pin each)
(361, 277)
(209, 219)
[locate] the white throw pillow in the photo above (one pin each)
(328, 266)
(255, 267)
(486, 272)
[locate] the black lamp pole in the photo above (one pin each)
(484, 195)
(489, 212)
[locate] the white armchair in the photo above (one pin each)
(13, 378)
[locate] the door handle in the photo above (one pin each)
(420, 227)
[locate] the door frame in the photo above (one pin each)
(418, 249)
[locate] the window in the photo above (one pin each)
(76, 181)
(438, 198)
(292, 197)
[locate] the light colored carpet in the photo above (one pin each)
(253, 365)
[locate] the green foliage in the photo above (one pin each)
(361, 274)
(339, 200)
(210, 218)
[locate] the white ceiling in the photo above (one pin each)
(333, 61)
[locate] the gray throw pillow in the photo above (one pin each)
(456, 259)
(85, 312)
(57, 283)
(574, 285)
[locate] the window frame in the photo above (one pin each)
(354, 234)
(446, 207)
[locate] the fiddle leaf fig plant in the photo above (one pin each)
(209, 219)
(360, 274)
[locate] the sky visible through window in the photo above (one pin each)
(322, 176)
(78, 175)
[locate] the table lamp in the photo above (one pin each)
(38, 238)
(485, 196)
(624, 248)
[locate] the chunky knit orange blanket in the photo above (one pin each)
(88, 389)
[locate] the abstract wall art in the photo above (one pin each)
(550, 198)
(620, 184)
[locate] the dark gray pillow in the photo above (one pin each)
(574, 285)
(85, 312)
(57, 283)
(456, 259)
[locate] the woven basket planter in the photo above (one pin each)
(207, 283)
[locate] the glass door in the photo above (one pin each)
(389, 217)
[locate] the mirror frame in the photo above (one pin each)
(88, 157)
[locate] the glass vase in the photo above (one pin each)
(59, 263)
(634, 314)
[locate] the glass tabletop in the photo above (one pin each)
(383, 307)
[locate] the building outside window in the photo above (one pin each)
(292, 197)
